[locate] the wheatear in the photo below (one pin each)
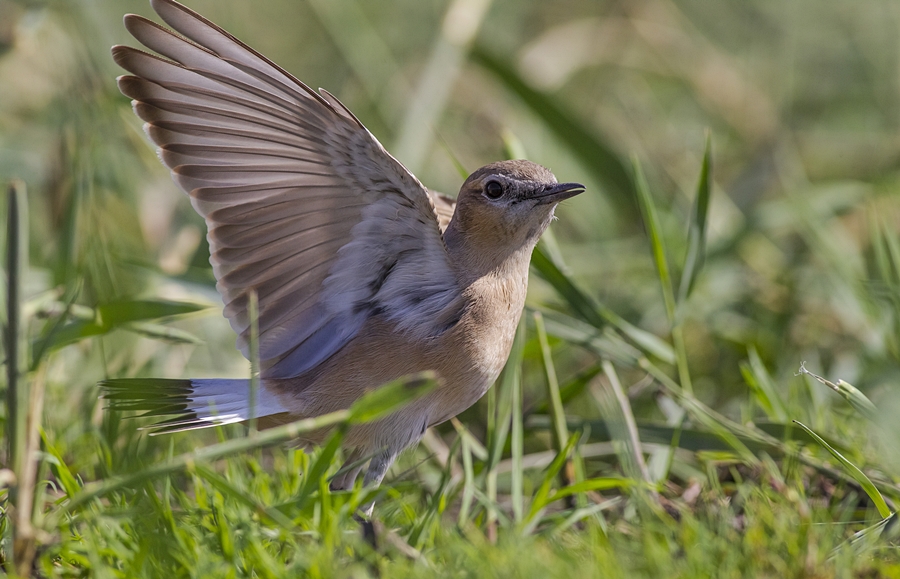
(363, 275)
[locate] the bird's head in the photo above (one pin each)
(506, 206)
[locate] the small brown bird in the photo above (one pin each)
(362, 274)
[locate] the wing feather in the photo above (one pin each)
(303, 205)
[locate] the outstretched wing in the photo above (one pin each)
(303, 204)
(444, 207)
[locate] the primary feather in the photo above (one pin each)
(303, 205)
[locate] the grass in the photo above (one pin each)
(656, 418)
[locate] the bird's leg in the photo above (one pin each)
(345, 480)
(378, 467)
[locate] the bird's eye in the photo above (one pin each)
(493, 189)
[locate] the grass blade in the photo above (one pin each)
(696, 250)
(269, 437)
(390, 397)
(574, 466)
(16, 262)
(854, 471)
(593, 313)
(22, 412)
(849, 392)
(557, 414)
(757, 377)
(511, 384)
(623, 428)
(542, 495)
(654, 232)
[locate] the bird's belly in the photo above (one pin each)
(465, 369)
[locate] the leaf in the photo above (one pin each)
(541, 496)
(122, 312)
(757, 377)
(690, 439)
(593, 313)
(854, 471)
(591, 484)
(319, 467)
(69, 334)
(557, 413)
(884, 532)
(657, 244)
(848, 391)
(604, 342)
(390, 397)
(263, 439)
(164, 333)
(569, 390)
(696, 250)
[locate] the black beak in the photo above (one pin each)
(557, 192)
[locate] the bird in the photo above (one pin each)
(363, 275)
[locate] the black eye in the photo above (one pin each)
(493, 189)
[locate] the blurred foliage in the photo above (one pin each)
(802, 263)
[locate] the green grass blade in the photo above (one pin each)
(557, 414)
(591, 484)
(517, 431)
(457, 164)
(163, 333)
(653, 227)
(606, 342)
(269, 437)
(542, 495)
(593, 313)
(570, 389)
(228, 489)
(575, 466)
(122, 312)
(390, 397)
(616, 409)
(22, 412)
(317, 469)
(512, 146)
(884, 532)
(854, 471)
(657, 245)
(16, 387)
(859, 401)
(687, 438)
(468, 483)
(757, 377)
(131, 315)
(696, 249)
(580, 303)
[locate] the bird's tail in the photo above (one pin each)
(189, 404)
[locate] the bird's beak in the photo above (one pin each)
(557, 192)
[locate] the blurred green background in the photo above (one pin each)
(801, 100)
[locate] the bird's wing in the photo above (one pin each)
(444, 207)
(303, 204)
